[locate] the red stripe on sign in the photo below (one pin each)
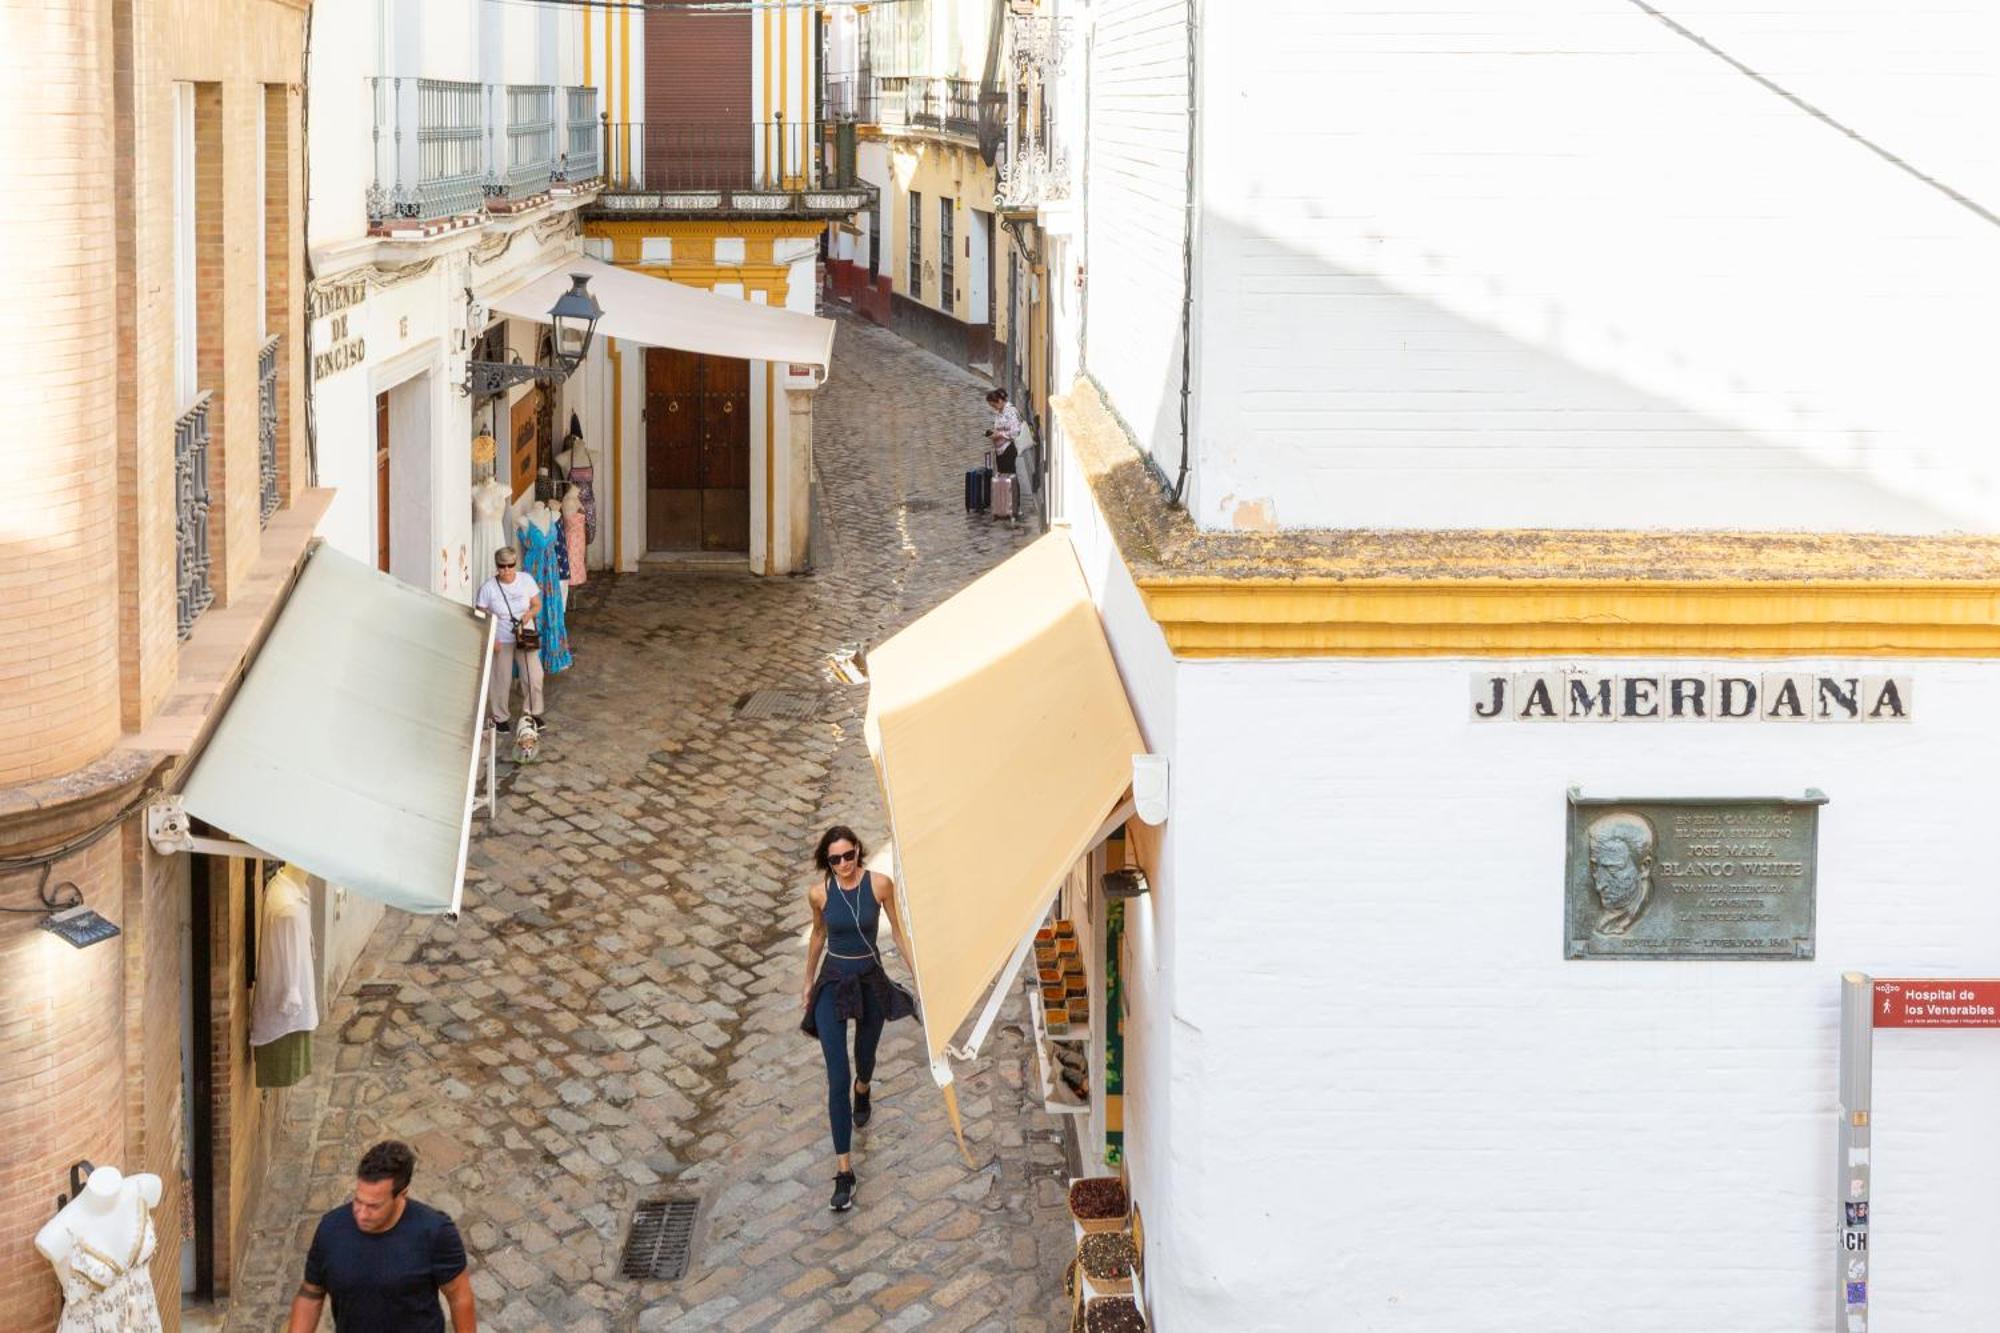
(1939, 1002)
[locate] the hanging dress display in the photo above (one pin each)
(579, 476)
(575, 539)
(284, 1008)
(489, 527)
(540, 543)
(102, 1294)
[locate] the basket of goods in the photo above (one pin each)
(1113, 1314)
(1108, 1259)
(1098, 1203)
(1079, 1009)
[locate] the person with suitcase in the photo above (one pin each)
(1005, 433)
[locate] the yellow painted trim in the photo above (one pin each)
(589, 12)
(676, 228)
(625, 84)
(617, 449)
(627, 249)
(694, 249)
(1558, 617)
(757, 249)
(770, 466)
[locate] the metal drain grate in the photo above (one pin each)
(787, 704)
(662, 1240)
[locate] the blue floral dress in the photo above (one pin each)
(541, 557)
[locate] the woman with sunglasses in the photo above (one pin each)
(848, 905)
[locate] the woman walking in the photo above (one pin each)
(848, 903)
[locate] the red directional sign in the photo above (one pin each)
(1940, 1002)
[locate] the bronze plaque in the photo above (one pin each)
(1691, 878)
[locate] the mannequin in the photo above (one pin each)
(577, 465)
(100, 1244)
(543, 557)
(574, 538)
(489, 507)
(285, 1008)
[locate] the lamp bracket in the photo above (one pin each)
(483, 379)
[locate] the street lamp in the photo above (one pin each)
(574, 315)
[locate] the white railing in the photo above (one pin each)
(428, 152)
(531, 138)
(582, 132)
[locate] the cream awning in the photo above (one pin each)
(1003, 740)
(654, 310)
(351, 748)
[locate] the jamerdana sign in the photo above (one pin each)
(1790, 696)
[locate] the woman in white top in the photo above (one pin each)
(513, 599)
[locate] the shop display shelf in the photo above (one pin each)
(1041, 1012)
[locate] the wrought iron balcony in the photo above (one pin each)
(531, 143)
(192, 591)
(429, 149)
(1034, 169)
(772, 167)
(267, 429)
(582, 133)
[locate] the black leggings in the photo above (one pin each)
(833, 1045)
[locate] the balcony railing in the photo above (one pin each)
(770, 157)
(440, 150)
(961, 107)
(582, 131)
(267, 430)
(192, 592)
(428, 150)
(531, 141)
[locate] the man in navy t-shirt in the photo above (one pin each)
(385, 1258)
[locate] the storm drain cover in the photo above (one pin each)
(791, 705)
(662, 1240)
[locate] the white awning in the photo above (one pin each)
(351, 748)
(652, 309)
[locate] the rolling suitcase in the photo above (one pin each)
(1003, 497)
(978, 490)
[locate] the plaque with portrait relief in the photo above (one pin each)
(1691, 877)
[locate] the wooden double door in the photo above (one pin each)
(697, 452)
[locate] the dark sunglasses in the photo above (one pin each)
(506, 564)
(842, 858)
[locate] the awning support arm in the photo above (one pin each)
(168, 829)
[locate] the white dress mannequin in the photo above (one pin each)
(100, 1244)
(489, 525)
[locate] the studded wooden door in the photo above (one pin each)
(697, 452)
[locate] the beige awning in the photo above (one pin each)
(651, 309)
(351, 748)
(1003, 740)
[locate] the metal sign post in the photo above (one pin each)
(1867, 1004)
(1857, 1073)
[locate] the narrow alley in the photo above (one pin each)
(614, 1018)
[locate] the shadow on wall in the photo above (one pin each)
(1330, 397)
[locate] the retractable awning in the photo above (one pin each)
(351, 748)
(662, 313)
(1003, 741)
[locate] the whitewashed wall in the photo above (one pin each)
(1391, 1104)
(1134, 205)
(1557, 264)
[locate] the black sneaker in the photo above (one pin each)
(843, 1192)
(504, 727)
(862, 1109)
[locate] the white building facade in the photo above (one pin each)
(453, 143)
(1593, 352)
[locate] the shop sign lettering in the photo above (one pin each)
(1948, 1003)
(330, 301)
(1581, 696)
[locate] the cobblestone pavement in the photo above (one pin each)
(615, 1014)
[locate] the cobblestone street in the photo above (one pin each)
(615, 1015)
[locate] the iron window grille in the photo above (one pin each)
(945, 255)
(916, 246)
(581, 152)
(531, 138)
(267, 429)
(192, 592)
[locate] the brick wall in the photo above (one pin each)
(58, 565)
(90, 1040)
(63, 1057)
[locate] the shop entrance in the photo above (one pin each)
(697, 452)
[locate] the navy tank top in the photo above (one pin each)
(852, 917)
